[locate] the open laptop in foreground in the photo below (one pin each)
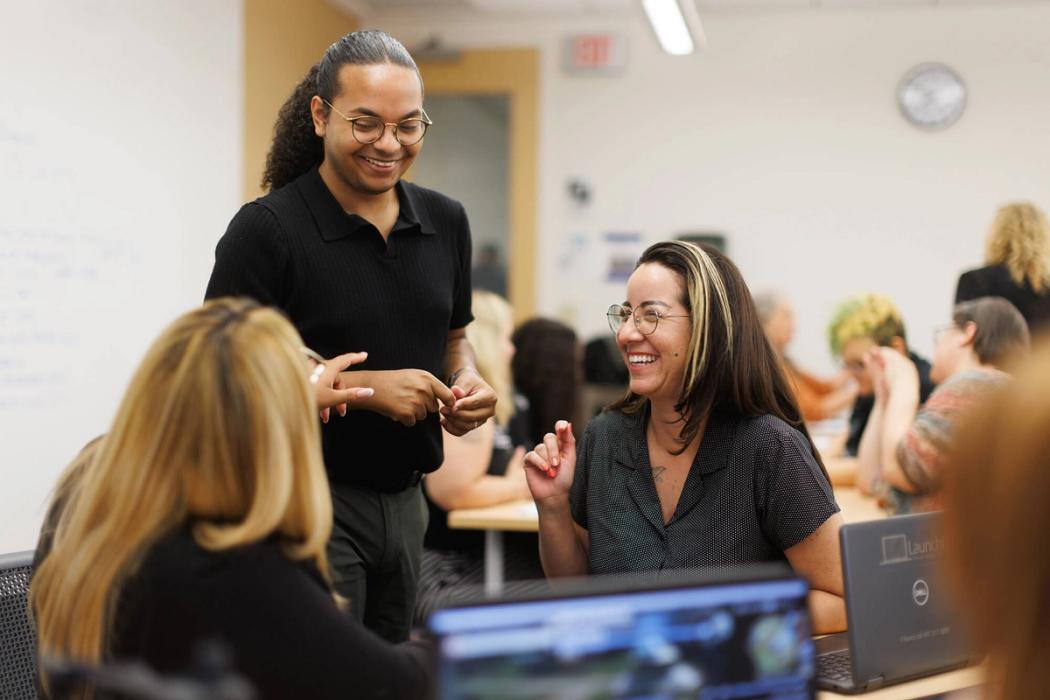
(901, 625)
(658, 639)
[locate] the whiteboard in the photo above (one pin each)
(120, 166)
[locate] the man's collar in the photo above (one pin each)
(412, 209)
(334, 223)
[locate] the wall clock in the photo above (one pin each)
(931, 96)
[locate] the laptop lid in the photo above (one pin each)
(747, 638)
(901, 623)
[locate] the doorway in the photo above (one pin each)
(467, 159)
(494, 82)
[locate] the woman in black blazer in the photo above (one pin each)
(1017, 268)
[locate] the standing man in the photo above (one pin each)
(360, 259)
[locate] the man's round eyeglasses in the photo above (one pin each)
(368, 129)
(645, 320)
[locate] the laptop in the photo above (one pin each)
(901, 625)
(741, 638)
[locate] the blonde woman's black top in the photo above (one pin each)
(276, 616)
(995, 281)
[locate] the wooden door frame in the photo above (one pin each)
(514, 73)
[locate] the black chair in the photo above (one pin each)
(17, 635)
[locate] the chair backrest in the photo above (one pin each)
(17, 635)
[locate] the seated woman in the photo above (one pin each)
(1017, 264)
(706, 460)
(859, 325)
(203, 514)
(482, 468)
(548, 371)
(817, 398)
(996, 516)
(903, 448)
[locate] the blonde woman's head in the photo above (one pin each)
(490, 335)
(217, 429)
(1019, 239)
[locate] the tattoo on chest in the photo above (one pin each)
(658, 473)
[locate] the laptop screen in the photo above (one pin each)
(740, 640)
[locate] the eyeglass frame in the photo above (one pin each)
(425, 120)
(319, 369)
(634, 316)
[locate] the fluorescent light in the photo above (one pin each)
(669, 25)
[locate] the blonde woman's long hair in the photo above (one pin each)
(217, 430)
(492, 326)
(1020, 240)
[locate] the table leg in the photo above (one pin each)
(493, 562)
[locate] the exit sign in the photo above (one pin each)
(595, 53)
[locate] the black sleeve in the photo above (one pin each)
(291, 639)
(793, 496)
(969, 287)
(251, 259)
(578, 492)
(461, 301)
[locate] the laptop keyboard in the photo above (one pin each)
(835, 667)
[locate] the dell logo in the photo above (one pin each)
(920, 592)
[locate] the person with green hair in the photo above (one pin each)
(859, 325)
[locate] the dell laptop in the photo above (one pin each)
(901, 624)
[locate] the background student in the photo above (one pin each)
(817, 398)
(1017, 264)
(859, 325)
(904, 447)
(548, 372)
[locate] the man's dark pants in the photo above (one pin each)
(375, 552)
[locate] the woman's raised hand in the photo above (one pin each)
(550, 466)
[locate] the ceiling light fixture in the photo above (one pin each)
(669, 25)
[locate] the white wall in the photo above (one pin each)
(785, 134)
(120, 164)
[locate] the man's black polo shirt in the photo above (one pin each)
(346, 289)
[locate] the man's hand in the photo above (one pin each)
(404, 395)
(475, 403)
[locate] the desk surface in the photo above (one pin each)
(941, 683)
(520, 516)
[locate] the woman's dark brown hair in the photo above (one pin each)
(547, 371)
(731, 368)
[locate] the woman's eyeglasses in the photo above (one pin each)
(645, 320)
